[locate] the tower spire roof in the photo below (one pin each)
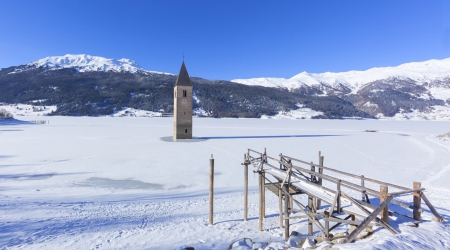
(183, 77)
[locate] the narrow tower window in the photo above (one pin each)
(185, 131)
(184, 93)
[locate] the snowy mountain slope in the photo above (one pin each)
(420, 72)
(88, 63)
(419, 87)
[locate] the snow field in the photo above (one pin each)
(113, 183)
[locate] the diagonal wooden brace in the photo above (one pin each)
(367, 221)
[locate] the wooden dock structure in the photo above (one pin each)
(288, 177)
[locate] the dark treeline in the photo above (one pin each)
(103, 93)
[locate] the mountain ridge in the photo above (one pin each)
(90, 85)
(354, 80)
(88, 63)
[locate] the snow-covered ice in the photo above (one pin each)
(116, 183)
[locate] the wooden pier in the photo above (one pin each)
(288, 177)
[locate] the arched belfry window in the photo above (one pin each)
(184, 93)
(185, 131)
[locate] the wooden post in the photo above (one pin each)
(286, 212)
(383, 196)
(313, 169)
(352, 227)
(313, 204)
(321, 158)
(416, 201)
(211, 190)
(327, 224)
(245, 188)
(260, 202)
(310, 222)
(280, 205)
(363, 197)
(338, 201)
(291, 205)
(263, 191)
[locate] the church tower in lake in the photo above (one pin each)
(182, 106)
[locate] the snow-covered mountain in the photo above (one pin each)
(418, 89)
(88, 63)
(353, 81)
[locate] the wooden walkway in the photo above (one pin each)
(289, 180)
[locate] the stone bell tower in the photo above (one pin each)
(182, 106)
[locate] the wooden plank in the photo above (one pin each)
(431, 207)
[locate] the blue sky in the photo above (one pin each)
(229, 39)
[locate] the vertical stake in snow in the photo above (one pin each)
(211, 189)
(417, 200)
(260, 205)
(245, 188)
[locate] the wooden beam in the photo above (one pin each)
(408, 191)
(431, 207)
(402, 204)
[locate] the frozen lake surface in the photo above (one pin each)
(121, 183)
